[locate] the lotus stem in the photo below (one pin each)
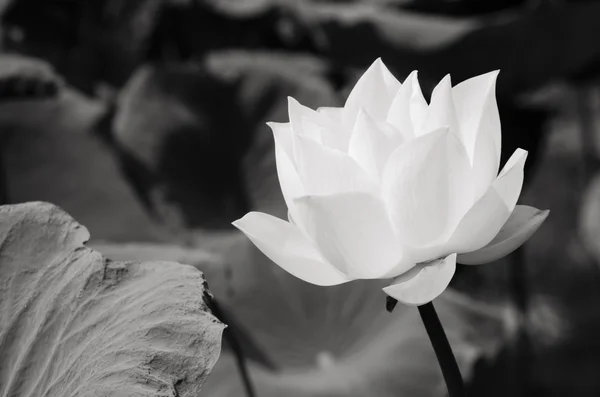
(522, 348)
(231, 337)
(441, 346)
(443, 351)
(240, 360)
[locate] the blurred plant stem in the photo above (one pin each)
(522, 350)
(441, 346)
(584, 98)
(519, 285)
(232, 338)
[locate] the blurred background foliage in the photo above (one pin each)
(145, 120)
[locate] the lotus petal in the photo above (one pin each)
(327, 171)
(284, 138)
(334, 114)
(424, 282)
(374, 92)
(441, 111)
(304, 121)
(289, 180)
(285, 245)
(479, 121)
(333, 133)
(521, 225)
(425, 185)
(510, 181)
(372, 143)
(487, 216)
(353, 232)
(409, 108)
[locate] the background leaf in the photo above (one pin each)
(73, 323)
(192, 137)
(26, 78)
(521, 42)
(51, 154)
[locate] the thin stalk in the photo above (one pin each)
(441, 346)
(232, 338)
(522, 353)
(443, 351)
(240, 360)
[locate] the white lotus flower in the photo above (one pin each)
(392, 187)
